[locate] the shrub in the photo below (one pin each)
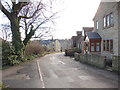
(13, 60)
(8, 55)
(34, 48)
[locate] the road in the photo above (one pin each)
(58, 71)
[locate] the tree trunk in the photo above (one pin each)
(16, 37)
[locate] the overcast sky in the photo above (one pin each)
(74, 15)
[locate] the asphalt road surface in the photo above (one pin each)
(58, 71)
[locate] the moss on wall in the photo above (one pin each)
(116, 63)
(96, 60)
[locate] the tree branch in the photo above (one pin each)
(17, 7)
(45, 21)
(8, 5)
(28, 36)
(37, 10)
(7, 13)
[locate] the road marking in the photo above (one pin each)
(55, 60)
(85, 77)
(61, 62)
(40, 74)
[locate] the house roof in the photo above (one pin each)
(74, 37)
(88, 29)
(104, 5)
(45, 41)
(79, 33)
(93, 35)
(97, 10)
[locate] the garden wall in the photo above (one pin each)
(116, 63)
(93, 59)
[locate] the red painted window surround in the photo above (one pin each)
(104, 45)
(108, 45)
(95, 46)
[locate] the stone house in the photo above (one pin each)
(65, 43)
(86, 29)
(84, 41)
(92, 42)
(54, 45)
(107, 25)
(79, 35)
(76, 40)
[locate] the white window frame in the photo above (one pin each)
(97, 27)
(108, 20)
(92, 47)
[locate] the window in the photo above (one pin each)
(97, 25)
(97, 47)
(103, 45)
(111, 45)
(111, 19)
(108, 45)
(108, 20)
(104, 21)
(92, 47)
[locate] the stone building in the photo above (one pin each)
(107, 25)
(84, 43)
(65, 43)
(76, 40)
(56, 44)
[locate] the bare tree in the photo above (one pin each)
(36, 23)
(29, 16)
(6, 33)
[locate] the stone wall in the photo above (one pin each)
(116, 63)
(98, 60)
(119, 28)
(76, 55)
(95, 60)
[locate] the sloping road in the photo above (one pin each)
(59, 71)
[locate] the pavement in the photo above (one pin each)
(22, 76)
(58, 71)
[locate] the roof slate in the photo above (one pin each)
(93, 35)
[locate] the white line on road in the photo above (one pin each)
(61, 62)
(40, 74)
